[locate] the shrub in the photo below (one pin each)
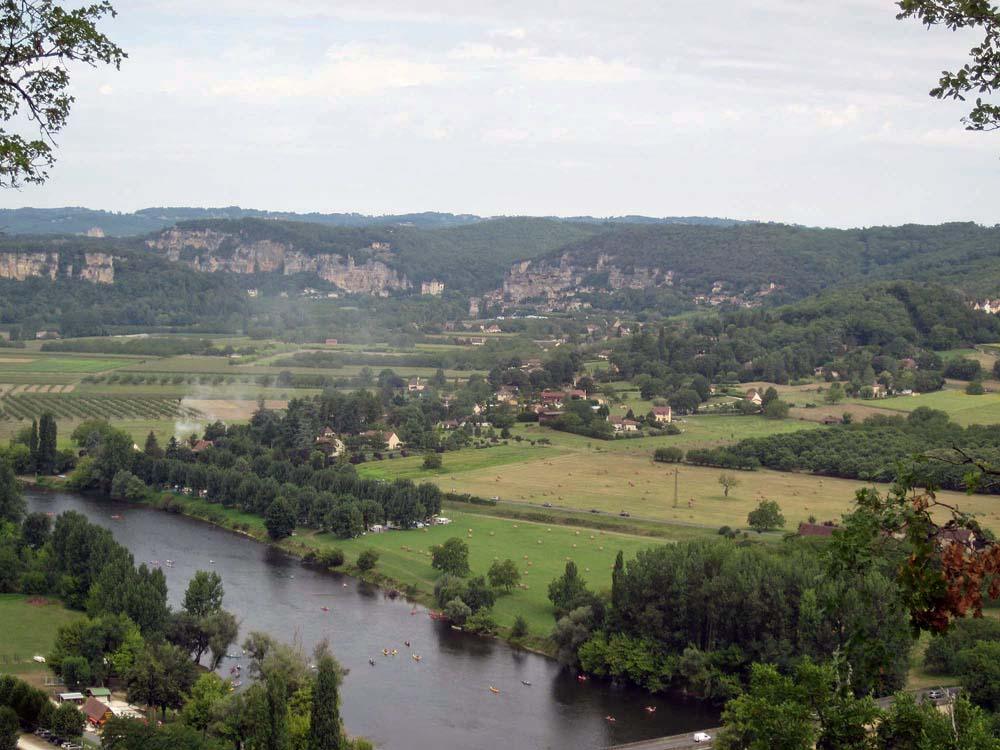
(520, 627)
(432, 461)
(457, 611)
(367, 559)
(331, 558)
(724, 531)
(481, 622)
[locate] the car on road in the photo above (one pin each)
(702, 737)
(625, 514)
(935, 695)
(546, 505)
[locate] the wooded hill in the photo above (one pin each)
(801, 260)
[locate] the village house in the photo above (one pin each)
(97, 713)
(662, 414)
(202, 445)
(506, 394)
(620, 424)
(449, 424)
(391, 439)
(331, 342)
(553, 397)
(576, 393)
(329, 441)
(548, 415)
(494, 328)
(415, 386)
(879, 390)
(754, 397)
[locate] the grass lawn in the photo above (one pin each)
(961, 407)
(467, 459)
(29, 626)
(540, 550)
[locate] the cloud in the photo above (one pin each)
(349, 70)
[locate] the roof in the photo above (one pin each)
(202, 445)
(71, 696)
(99, 692)
(661, 410)
(95, 709)
(815, 529)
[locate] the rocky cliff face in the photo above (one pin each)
(210, 251)
(98, 268)
(556, 279)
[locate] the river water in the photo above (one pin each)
(444, 700)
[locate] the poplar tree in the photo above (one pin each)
(325, 732)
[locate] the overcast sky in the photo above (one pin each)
(788, 110)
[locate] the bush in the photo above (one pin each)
(432, 461)
(331, 558)
(367, 559)
(457, 611)
(482, 623)
(668, 455)
(520, 627)
(975, 388)
(724, 531)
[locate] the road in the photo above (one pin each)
(674, 742)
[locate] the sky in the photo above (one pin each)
(814, 113)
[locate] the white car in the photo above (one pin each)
(702, 737)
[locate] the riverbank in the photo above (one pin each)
(541, 550)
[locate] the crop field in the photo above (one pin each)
(27, 406)
(59, 364)
(29, 627)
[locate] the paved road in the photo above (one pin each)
(675, 742)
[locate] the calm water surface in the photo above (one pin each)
(441, 702)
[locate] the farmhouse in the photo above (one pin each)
(415, 386)
(553, 397)
(754, 397)
(202, 445)
(620, 424)
(662, 414)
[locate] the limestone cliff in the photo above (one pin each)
(210, 250)
(98, 268)
(558, 278)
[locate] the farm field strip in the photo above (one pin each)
(26, 406)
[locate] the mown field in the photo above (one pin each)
(540, 550)
(29, 627)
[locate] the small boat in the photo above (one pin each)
(211, 562)
(581, 678)
(407, 643)
(413, 611)
(371, 661)
(115, 517)
(526, 683)
(455, 627)
(344, 585)
(650, 709)
(417, 657)
(610, 719)
(395, 652)
(385, 652)
(495, 691)
(325, 609)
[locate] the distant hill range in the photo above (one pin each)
(71, 220)
(629, 264)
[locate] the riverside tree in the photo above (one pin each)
(451, 557)
(325, 730)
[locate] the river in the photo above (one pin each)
(443, 701)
